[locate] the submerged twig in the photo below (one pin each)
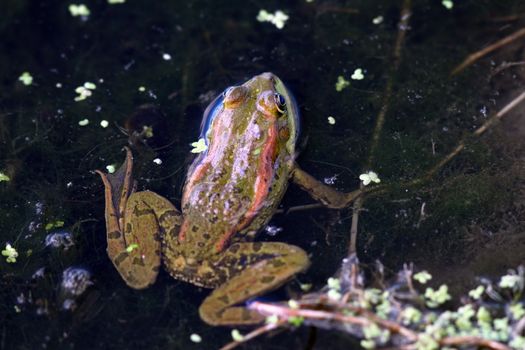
(402, 28)
(396, 315)
(477, 55)
(478, 132)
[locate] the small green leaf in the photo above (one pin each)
(483, 315)
(476, 293)
(423, 277)
(511, 281)
(89, 85)
(334, 283)
(437, 297)
(296, 320)
(131, 247)
(358, 74)
(26, 78)
(199, 146)
(4, 177)
(305, 287)
(411, 315)
(517, 311)
(368, 344)
(236, 335)
(10, 253)
(293, 304)
(448, 4)
(79, 10)
(195, 338)
(341, 84)
(273, 319)
(371, 331)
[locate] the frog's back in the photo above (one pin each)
(235, 186)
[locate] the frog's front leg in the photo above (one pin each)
(135, 224)
(256, 269)
(321, 192)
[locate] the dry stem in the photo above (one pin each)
(477, 55)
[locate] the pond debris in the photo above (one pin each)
(358, 74)
(111, 168)
(75, 281)
(488, 49)
(378, 20)
(113, 2)
(199, 146)
(448, 4)
(84, 91)
(512, 281)
(236, 335)
(61, 239)
(394, 314)
(39, 273)
(369, 177)
(104, 123)
(194, 337)
(422, 277)
(132, 247)
(272, 230)
(79, 10)
(4, 177)
(278, 19)
(54, 224)
(341, 83)
(331, 120)
(10, 253)
(26, 78)
(330, 180)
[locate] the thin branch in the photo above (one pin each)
(402, 28)
(470, 340)
(358, 204)
(367, 319)
(478, 132)
(479, 54)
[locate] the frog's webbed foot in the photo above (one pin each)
(263, 266)
(134, 226)
(321, 192)
(118, 187)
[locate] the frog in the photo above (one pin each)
(250, 133)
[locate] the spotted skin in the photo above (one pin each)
(135, 224)
(231, 191)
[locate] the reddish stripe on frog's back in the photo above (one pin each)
(262, 184)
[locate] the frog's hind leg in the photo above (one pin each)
(135, 224)
(256, 268)
(148, 218)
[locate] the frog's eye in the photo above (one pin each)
(280, 102)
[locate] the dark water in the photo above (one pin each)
(186, 52)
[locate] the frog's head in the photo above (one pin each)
(265, 93)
